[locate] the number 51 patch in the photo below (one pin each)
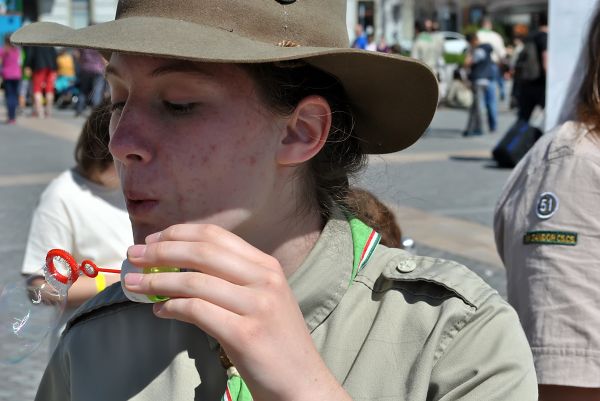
(547, 205)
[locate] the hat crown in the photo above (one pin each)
(319, 23)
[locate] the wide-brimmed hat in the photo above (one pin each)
(393, 97)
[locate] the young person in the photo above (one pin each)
(235, 128)
(479, 62)
(547, 231)
(10, 71)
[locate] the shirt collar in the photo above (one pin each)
(324, 276)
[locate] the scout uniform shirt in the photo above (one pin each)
(405, 328)
(547, 230)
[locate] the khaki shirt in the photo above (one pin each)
(407, 328)
(547, 226)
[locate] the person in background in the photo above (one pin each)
(486, 34)
(520, 32)
(42, 63)
(82, 211)
(371, 43)
(377, 215)
(481, 74)
(530, 71)
(547, 231)
(360, 38)
(10, 64)
(428, 46)
(90, 79)
(65, 81)
(382, 45)
(459, 93)
(25, 86)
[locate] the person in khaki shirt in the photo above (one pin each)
(548, 234)
(235, 165)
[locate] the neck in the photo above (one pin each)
(288, 238)
(283, 229)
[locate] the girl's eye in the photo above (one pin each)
(179, 108)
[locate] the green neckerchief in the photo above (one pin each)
(364, 241)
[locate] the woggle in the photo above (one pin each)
(127, 267)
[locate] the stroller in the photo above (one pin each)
(66, 92)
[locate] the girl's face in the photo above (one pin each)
(192, 142)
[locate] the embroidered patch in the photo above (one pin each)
(550, 238)
(547, 205)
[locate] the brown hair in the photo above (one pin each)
(282, 86)
(376, 215)
(588, 99)
(91, 152)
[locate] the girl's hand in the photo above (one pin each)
(240, 296)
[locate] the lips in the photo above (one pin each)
(139, 204)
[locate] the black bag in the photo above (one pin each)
(515, 144)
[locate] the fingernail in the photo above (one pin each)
(133, 279)
(158, 307)
(136, 251)
(153, 237)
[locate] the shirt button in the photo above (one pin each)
(406, 266)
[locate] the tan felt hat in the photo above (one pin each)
(393, 97)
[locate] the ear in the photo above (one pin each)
(306, 131)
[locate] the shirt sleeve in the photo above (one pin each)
(552, 265)
(485, 357)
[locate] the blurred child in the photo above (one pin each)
(10, 57)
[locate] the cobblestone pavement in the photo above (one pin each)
(443, 190)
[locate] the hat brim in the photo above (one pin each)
(393, 97)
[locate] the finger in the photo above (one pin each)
(212, 234)
(212, 319)
(199, 256)
(224, 294)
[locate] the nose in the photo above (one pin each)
(128, 143)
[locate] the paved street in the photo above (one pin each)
(443, 191)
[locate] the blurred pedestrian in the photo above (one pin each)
(66, 77)
(487, 35)
(360, 38)
(10, 63)
(547, 231)
(25, 93)
(479, 63)
(90, 79)
(42, 63)
(83, 212)
(459, 93)
(382, 46)
(520, 32)
(428, 46)
(530, 71)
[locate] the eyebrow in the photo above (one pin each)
(179, 66)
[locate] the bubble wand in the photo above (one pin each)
(31, 308)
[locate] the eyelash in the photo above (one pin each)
(177, 109)
(180, 109)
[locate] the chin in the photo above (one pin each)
(140, 232)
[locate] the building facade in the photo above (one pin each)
(75, 13)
